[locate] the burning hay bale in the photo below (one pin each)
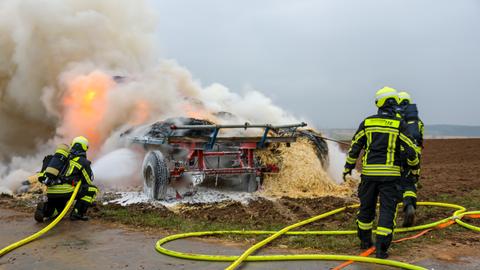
(36, 186)
(302, 172)
(30, 189)
(318, 143)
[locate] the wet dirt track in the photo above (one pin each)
(85, 245)
(78, 245)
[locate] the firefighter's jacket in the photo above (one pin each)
(78, 169)
(382, 136)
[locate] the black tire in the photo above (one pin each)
(250, 183)
(155, 175)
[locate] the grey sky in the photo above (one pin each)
(324, 60)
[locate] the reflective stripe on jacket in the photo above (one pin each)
(79, 169)
(60, 189)
(382, 136)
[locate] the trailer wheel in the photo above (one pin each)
(250, 183)
(155, 175)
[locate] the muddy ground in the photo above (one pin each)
(451, 167)
(449, 173)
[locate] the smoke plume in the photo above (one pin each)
(88, 67)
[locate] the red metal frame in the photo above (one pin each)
(245, 157)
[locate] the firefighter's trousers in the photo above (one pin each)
(387, 190)
(55, 204)
(85, 198)
(58, 200)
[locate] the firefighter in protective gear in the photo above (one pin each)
(408, 184)
(68, 165)
(79, 170)
(53, 165)
(381, 136)
(58, 192)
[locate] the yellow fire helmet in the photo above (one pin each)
(402, 96)
(81, 141)
(384, 94)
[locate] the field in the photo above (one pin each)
(449, 174)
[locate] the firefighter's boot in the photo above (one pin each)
(40, 212)
(382, 244)
(365, 238)
(79, 211)
(409, 215)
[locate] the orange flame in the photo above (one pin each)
(141, 112)
(85, 104)
(195, 111)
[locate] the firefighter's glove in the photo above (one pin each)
(41, 177)
(346, 172)
(48, 181)
(415, 174)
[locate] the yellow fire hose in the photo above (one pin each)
(46, 229)
(466, 225)
(237, 260)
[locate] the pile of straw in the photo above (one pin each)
(301, 172)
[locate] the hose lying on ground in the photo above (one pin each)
(237, 260)
(44, 230)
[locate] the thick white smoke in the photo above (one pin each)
(42, 45)
(336, 161)
(58, 59)
(118, 169)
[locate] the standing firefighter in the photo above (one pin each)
(409, 113)
(60, 172)
(381, 136)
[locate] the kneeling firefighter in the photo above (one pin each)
(58, 192)
(72, 166)
(415, 127)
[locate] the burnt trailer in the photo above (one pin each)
(183, 156)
